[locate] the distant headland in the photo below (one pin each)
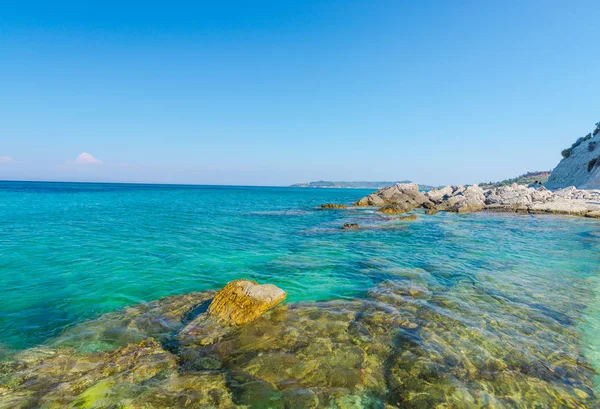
(355, 185)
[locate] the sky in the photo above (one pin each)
(280, 92)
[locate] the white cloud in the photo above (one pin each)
(6, 159)
(87, 159)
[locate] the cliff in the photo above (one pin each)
(580, 166)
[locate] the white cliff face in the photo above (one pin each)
(573, 171)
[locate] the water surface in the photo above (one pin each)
(70, 252)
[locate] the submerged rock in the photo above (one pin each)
(416, 341)
(407, 218)
(157, 319)
(333, 206)
(243, 301)
(69, 379)
(350, 226)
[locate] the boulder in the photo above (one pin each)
(511, 196)
(395, 208)
(465, 200)
(371, 200)
(406, 194)
(243, 301)
(437, 195)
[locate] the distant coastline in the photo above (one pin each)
(354, 185)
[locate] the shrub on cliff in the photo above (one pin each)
(591, 146)
(593, 163)
(567, 152)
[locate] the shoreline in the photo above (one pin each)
(401, 198)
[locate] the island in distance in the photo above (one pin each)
(355, 185)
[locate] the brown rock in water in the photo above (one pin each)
(333, 206)
(243, 301)
(407, 218)
(395, 208)
(350, 226)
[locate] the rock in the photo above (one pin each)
(243, 301)
(157, 319)
(512, 196)
(399, 199)
(87, 380)
(395, 208)
(350, 226)
(594, 214)
(333, 206)
(560, 206)
(183, 390)
(471, 199)
(437, 195)
(371, 200)
(407, 218)
(413, 341)
(406, 195)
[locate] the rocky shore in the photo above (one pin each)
(464, 199)
(408, 343)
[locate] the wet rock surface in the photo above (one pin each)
(243, 301)
(464, 199)
(333, 206)
(350, 226)
(410, 342)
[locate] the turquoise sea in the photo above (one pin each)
(70, 252)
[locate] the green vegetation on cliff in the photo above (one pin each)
(525, 179)
(567, 152)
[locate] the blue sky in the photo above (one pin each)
(278, 92)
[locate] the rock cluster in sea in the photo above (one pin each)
(411, 342)
(402, 198)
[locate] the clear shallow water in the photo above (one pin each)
(70, 252)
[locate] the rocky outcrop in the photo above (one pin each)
(464, 199)
(350, 226)
(406, 195)
(580, 166)
(243, 301)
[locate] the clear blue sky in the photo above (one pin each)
(278, 92)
